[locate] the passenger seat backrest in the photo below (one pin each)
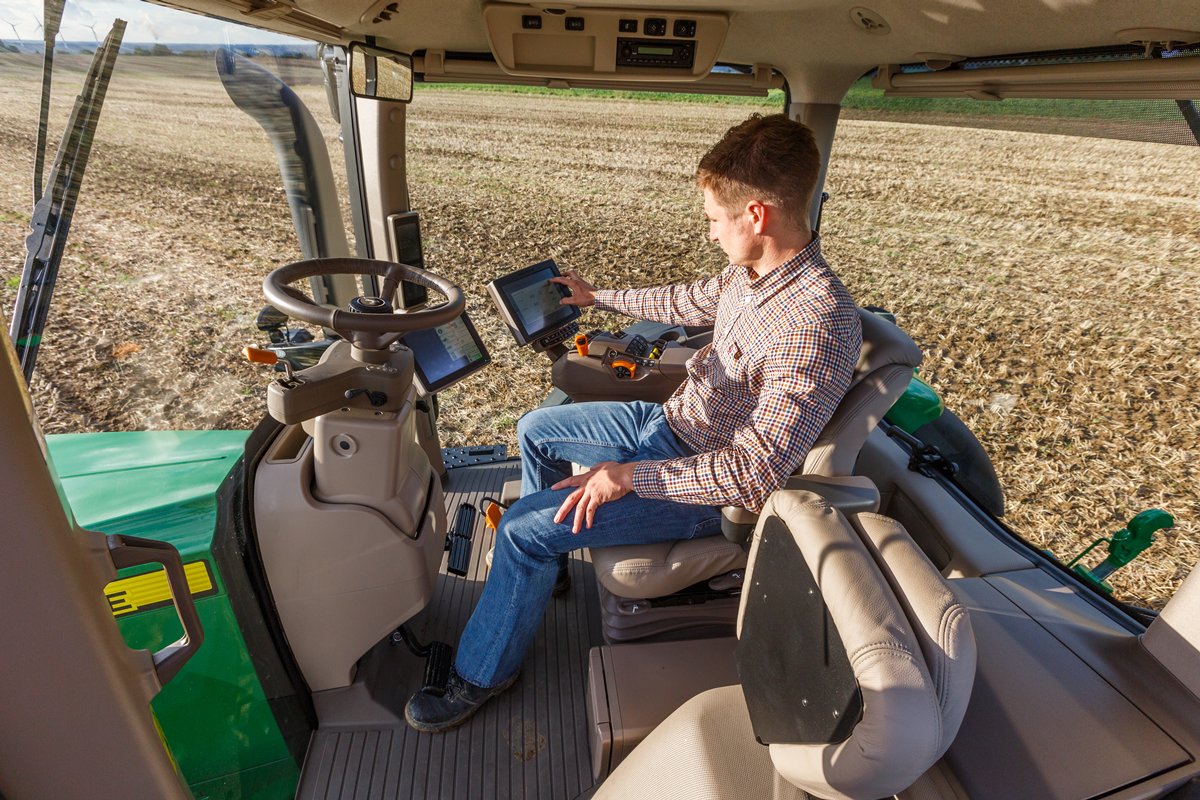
(938, 617)
(884, 370)
(906, 637)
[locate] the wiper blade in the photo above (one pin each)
(54, 209)
(52, 20)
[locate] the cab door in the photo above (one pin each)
(74, 700)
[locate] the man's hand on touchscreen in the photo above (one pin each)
(583, 294)
(603, 483)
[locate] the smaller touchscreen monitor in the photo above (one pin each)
(446, 354)
(530, 304)
(406, 248)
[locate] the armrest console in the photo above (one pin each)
(850, 494)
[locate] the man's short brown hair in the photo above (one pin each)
(773, 159)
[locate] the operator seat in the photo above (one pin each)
(883, 623)
(629, 574)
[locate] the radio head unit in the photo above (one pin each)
(655, 52)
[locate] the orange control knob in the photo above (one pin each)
(256, 355)
(624, 369)
(581, 344)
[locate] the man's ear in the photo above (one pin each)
(757, 212)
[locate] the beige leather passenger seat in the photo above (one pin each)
(633, 572)
(906, 637)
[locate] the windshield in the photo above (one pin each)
(180, 216)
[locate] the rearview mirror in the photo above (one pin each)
(380, 74)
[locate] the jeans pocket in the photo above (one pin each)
(710, 526)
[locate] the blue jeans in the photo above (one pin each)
(529, 542)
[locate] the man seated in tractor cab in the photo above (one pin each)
(785, 343)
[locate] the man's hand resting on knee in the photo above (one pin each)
(603, 483)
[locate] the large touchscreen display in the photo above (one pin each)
(447, 353)
(536, 302)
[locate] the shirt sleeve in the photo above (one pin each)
(808, 373)
(686, 304)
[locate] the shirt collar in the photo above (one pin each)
(767, 286)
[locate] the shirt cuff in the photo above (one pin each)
(648, 480)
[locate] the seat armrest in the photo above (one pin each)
(850, 494)
(737, 523)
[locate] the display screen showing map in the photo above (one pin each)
(446, 354)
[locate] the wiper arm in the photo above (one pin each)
(52, 20)
(54, 209)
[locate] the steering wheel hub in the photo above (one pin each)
(368, 304)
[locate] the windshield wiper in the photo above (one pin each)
(51, 21)
(54, 209)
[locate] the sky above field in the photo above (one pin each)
(147, 23)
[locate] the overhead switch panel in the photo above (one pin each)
(604, 44)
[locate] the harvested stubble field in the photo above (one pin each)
(1051, 280)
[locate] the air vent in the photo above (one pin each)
(380, 12)
(869, 21)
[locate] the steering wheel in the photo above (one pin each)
(370, 323)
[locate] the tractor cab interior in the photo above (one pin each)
(875, 631)
(870, 625)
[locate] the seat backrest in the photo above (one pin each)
(884, 370)
(887, 620)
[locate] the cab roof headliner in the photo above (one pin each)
(814, 43)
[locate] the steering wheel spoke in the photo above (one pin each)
(391, 281)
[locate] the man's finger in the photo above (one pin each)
(591, 513)
(571, 500)
(574, 480)
(580, 512)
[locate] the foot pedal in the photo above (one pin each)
(437, 667)
(459, 540)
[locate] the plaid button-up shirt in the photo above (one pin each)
(783, 351)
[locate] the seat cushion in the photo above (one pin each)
(654, 570)
(703, 751)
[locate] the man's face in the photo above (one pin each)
(732, 230)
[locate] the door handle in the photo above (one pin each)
(133, 551)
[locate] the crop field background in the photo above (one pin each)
(1051, 279)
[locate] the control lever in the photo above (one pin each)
(256, 355)
(374, 398)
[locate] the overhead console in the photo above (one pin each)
(634, 45)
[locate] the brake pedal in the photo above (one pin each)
(459, 540)
(437, 667)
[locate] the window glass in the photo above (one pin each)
(601, 181)
(181, 214)
(1044, 255)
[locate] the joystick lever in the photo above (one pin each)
(374, 398)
